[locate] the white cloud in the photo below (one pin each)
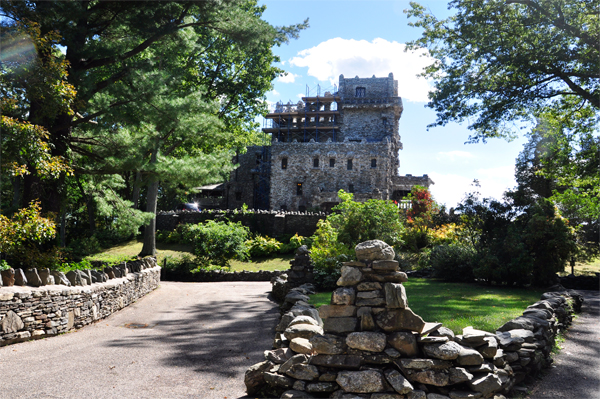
(300, 95)
(454, 156)
(450, 189)
(333, 57)
(275, 92)
(289, 78)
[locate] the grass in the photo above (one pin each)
(458, 305)
(280, 262)
(130, 249)
(584, 268)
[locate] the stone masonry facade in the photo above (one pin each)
(348, 140)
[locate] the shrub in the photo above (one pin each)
(169, 237)
(22, 235)
(518, 244)
(260, 246)
(453, 262)
(356, 222)
(85, 246)
(294, 243)
(216, 243)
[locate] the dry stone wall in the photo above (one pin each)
(269, 223)
(368, 343)
(37, 312)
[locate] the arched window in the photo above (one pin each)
(361, 92)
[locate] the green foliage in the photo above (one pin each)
(168, 237)
(560, 162)
(453, 262)
(356, 222)
(351, 223)
(542, 57)
(22, 236)
(260, 246)
(216, 243)
(85, 246)
(295, 242)
(4, 265)
(522, 245)
(82, 265)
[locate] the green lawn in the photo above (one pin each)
(280, 262)
(457, 305)
(584, 268)
(131, 248)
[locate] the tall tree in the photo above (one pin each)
(102, 39)
(503, 61)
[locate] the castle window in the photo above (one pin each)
(361, 92)
(258, 159)
(349, 165)
(350, 188)
(238, 195)
(384, 120)
(283, 163)
(316, 163)
(298, 188)
(373, 163)
(331, 162)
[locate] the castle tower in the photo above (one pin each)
(346, 139)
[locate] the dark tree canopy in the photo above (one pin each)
(105, 42)
(503, 61)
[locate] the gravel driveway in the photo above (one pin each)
(576, 370)
(192, 340)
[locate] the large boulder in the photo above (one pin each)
(374, 250)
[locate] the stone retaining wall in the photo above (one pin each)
(37, 312)
(218, 275)
(369, 344)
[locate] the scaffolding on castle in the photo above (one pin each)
(315, 117)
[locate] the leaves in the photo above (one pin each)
(500, 62)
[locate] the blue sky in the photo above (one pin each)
(366, 38)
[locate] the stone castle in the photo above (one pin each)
(346, 139)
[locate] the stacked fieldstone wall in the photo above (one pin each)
(203, 276)
(270, 223)
(36, 312)
(299, 274)
(368, 343)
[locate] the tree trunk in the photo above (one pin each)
(135, 197)
(149, 248)
(16, 192)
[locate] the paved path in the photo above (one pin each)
(200, 339)
(576, 371)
